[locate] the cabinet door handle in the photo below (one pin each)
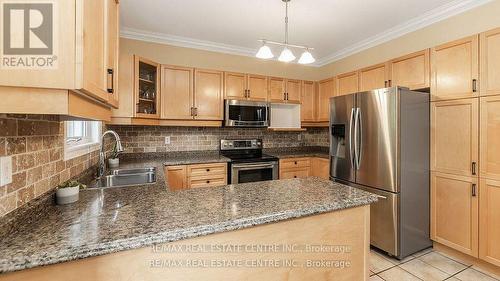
(295, 176)
(385, 83)
(474, 168)
(284, 96)
(112, 73)
(208, 181)
(295, 162)
(208, 170)
(196, 111)
(287, 96)
(474, 192)
(474, 85)
(389, 83)
(248, 93)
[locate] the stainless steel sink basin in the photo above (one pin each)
(133, 171)
(127, 177)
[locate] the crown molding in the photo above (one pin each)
(179, 41)
(426, 19)
(438, 14)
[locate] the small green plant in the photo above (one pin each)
(71, 184)
(114, 153)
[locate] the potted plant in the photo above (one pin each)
(68, 192)
(113, 160)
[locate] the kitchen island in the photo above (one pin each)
(294, 229)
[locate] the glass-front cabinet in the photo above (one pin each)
(147, 88)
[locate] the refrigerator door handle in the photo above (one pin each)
(358, 133)
(351, 152)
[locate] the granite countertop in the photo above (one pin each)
(180, 158)
(296, 152)
(109, 220)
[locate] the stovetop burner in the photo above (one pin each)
(244, 151)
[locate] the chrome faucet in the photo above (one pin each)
(102, 162)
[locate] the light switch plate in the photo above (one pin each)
(167, 140)
(5, 170)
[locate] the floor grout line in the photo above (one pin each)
(451, 274)
(469, 266)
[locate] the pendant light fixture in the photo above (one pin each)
(286, 54)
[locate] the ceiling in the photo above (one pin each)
(334, 28)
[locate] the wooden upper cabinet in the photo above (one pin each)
(283, 90)
(490, 62)
(208, 95)
(245, 86)
(455, 69)
(454, 137)
(490, 137)
(147, 88)
(235, 85)
(326, 90)
(347, 83)
(307, 109)
(257, 87)
(454, 212)
(372, 78)
(277, 89)
(113, 35)
(94, 49)
(293, 91)
(84, 47)
(177, 92)
(489, 216)
(412, 71)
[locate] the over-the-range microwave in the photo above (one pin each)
(239, 113)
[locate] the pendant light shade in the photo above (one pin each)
(286, 55)
(264, 53)
(306, 58)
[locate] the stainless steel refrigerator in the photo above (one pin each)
(379, 142)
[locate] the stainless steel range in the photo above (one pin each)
(248, 163)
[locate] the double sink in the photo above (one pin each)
(127, 177)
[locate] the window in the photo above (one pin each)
(81, 137)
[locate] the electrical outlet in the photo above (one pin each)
(5, 170)
(167, 140)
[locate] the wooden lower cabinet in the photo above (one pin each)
(454, 212)
(176, 177)
(304, 167)
(320, 167)
(489, 221)
(295, 173)
(196, 175)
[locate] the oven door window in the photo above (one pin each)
(247, 113)
(255, 175)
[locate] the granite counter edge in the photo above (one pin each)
(21, 263)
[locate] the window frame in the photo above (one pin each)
(89, 143)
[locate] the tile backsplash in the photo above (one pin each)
(36, 145)
(152, 138)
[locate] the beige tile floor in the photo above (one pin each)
(427, 265)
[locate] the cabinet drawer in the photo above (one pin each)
(203, 171)
(294, 173)
(193, 183)
(295, 163)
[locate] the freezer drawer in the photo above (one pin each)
(384, 219)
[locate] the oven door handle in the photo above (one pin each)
(253, 167)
